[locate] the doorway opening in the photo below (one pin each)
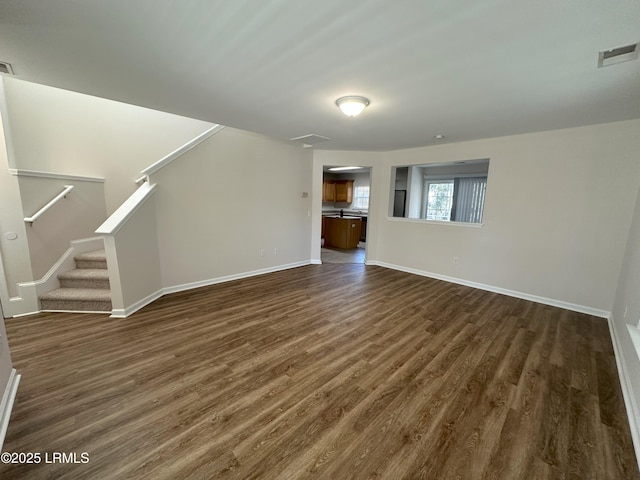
(345, 211)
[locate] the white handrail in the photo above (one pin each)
(118, 218)
(182, 150)
(62, 194)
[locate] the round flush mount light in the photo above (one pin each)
(352, 105)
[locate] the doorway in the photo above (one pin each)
(345, 211)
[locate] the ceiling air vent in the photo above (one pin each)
(618, 55)
(310, 140)
(5, 68)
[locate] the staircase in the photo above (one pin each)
(85, 289)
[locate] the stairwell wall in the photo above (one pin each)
(74, 217)
(233, 206)
(55, 130)
(62, 132)
(134, 262)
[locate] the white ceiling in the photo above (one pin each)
(467, 69)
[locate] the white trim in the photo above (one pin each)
(118, 218)
(104, 312)
(236, 276)
(125, 312)
(315, 262)
(6, 405)
(435, 222)
(58, 176)
(182, 150)
(27, 314)
(490, 288)
(4, 291)
(631, 404)
(634, 333)
(131, 309)
(51, 203)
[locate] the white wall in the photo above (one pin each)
(134, 260)
(414, 195)
(14, 253)
(626, 311)
(55, 130)
(557, 213)
(230, 197)
(75, 217)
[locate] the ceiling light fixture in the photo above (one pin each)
(352, 105)
(341, 169)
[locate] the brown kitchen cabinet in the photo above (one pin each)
(344, 191)
(337, 191)
(342, 232)
(328, 191)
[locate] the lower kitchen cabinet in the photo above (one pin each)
(342, 232)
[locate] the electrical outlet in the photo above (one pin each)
(262, 252)
(275, 251)
(456, 260)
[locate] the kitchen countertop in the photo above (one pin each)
(350, 213)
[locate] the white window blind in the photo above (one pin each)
(469, 199)
(361, 198)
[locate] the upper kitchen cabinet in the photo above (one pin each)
(344, 191)
(337, 191)
(328, 191)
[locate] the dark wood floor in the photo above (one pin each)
(323, 372)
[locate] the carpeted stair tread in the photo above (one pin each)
(91, 260)
(91, 294)
(77, 299)
(84, 289)
(85, 278)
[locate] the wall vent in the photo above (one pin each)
(5, 68)
(310, 139)
(616, 55)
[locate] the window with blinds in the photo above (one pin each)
(457, 199)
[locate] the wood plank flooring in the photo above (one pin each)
(322, 372)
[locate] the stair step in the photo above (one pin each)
(97, 278)
(91, 260)
(77, 299)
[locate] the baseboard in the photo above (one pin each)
(315, 262)
(131, 309)
(237, 276)
(105, 312)
(630, 401)
(6, 405)
(503, 291)
(125, 312)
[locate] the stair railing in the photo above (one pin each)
(56, 199)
